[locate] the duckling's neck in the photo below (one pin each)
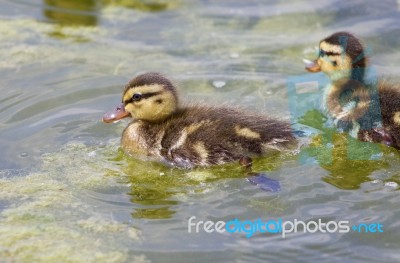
(357, 74)
(174, 114)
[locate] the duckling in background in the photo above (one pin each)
(368, 109)
(197, 135)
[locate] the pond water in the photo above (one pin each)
(68, 193)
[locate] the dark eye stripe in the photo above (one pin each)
(144, 96)
(328, 53)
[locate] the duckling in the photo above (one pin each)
(368, 109)
(197, 135)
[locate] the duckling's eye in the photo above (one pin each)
(322, 53)
(136, 97)
(334, 63)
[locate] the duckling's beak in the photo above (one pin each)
(312, 66)
(116, 114)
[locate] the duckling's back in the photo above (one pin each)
(202, 136)
(389, 98)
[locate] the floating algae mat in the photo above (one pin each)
(91, 203)
(46, 215)
(82, 203)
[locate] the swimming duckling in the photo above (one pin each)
(189, 136)
(367, 109)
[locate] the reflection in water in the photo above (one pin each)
(347, 172)
(156, 189)
(84, 12)
(71, 12)
(144, 5)
(349, 162)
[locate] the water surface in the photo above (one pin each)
(67, 192)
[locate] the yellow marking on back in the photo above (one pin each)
(201, 151)
(181, 141)
(185, 133)
(363, 105)
(246, 132)
(396, 118)
(157, 145)
(194, 127)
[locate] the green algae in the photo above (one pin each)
(50, 218)
(51, 215)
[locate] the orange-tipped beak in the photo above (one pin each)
(312, 66)
(116, 114)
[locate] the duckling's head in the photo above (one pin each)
(148, 97)
(341, 56)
